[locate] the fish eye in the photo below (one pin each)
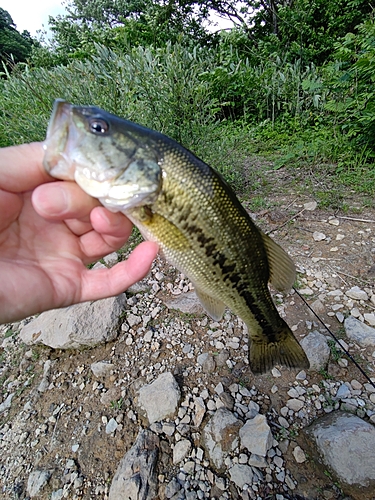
(98, 126)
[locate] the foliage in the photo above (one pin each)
(119, 24)
(308, 30)
(353, 85)
(264, 91)
(264, 86)
(160, 88)
(14, 46)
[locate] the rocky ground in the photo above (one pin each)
(206, 426)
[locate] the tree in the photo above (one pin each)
(14, 46)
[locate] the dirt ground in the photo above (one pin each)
(46, 425)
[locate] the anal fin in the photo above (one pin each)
(214, 308)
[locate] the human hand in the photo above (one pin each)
(49, 231)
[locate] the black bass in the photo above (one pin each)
(185, 206)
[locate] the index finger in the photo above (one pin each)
(21, 167)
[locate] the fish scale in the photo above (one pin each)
(184, 205)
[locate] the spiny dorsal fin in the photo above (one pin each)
(214, 308)
(282, 268)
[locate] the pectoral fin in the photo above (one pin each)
(214, 308)
(282, 268)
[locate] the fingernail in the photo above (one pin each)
(52, 200)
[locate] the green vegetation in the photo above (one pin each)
(290, 87)
(117, 405)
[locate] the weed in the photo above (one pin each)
(325, 374)
(257, 203)
(9, 333)
(336, 353)
(117, 405)
(35, 355)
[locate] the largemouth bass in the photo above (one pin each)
(180, 202)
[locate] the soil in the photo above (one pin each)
(46, 425)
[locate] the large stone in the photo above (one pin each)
(101, 368)
(181, 450)
(81, 325)
(135, 478)
(241, 475)
(346, 444)
(160, 399)
(37, 481)
(185, 302)
(6, 404)
(256, 435)
(356, 293)
(316, 349)
(220, 435)
(363, 334)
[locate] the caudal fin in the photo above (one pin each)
(263, 356)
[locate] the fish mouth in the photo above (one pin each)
(60, 137)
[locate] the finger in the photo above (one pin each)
(10, 207)
(110, 223)
(100, 283)
(63, 200)
(78, 227)
(21, 167)
(95, 245)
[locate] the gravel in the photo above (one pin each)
(68, 418)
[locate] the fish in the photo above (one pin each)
(183, 204)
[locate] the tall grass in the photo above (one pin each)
(159, 88)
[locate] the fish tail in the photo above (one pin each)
(263, 356)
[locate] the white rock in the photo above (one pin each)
(81, 325)
(317, 236)
(111, 426)
(310, 206)
(340, 317)
(347, 445)
(133, 319)
(356, 293)
(135, 477)
(181, 450)
(220, 435)
(294, 404)
(37, 481)
(283, 422)
(101, 368)
(359, 332)
(200, 410)
(301, 375)
(241, 475)
(334, 222)
(299, 455)
(306, 291)
(370, 318)
(111, 258)
(160, 399)
(316, 349)
(256, 435)
(6, 404)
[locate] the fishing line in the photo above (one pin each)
(335, 338)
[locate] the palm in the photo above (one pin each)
(43, 262)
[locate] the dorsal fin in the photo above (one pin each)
(282, 268)
(214, 308)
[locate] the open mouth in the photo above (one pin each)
(55, 159)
